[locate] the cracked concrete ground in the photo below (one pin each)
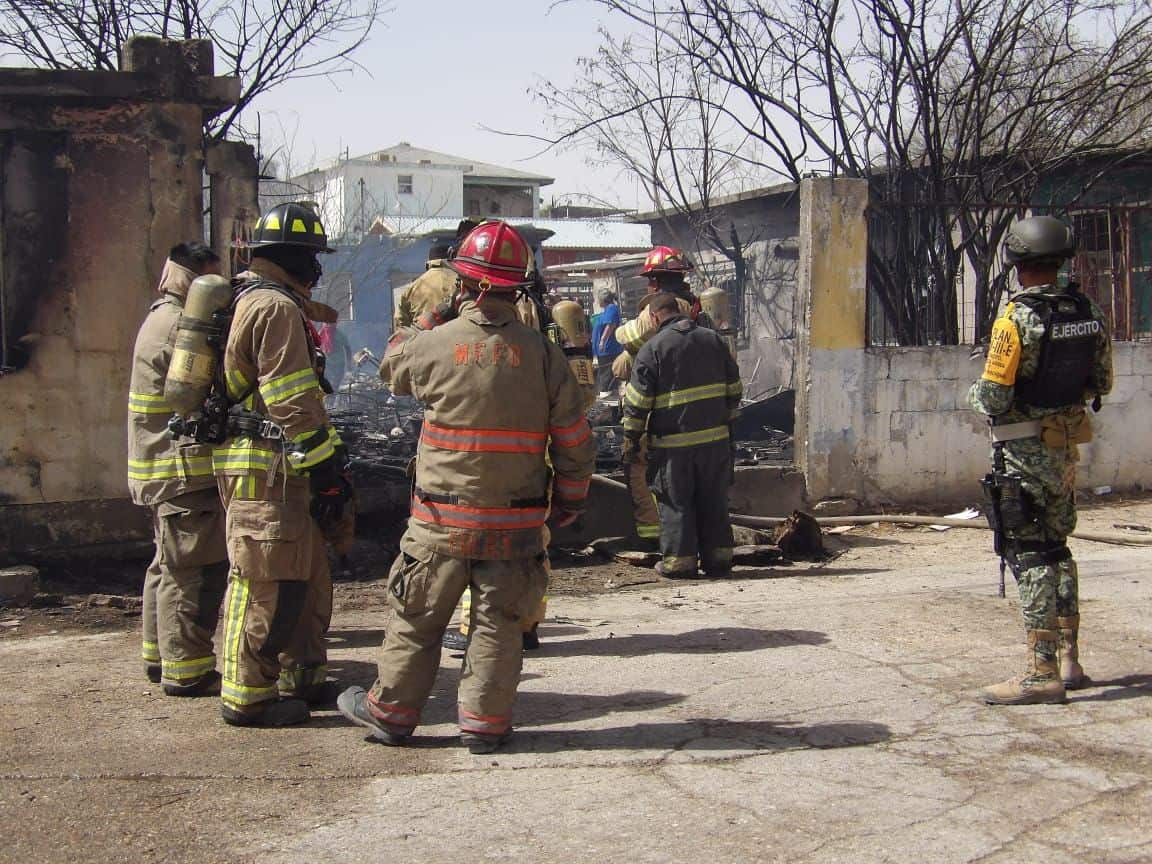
(823, 718)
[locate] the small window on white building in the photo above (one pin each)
(403, 184)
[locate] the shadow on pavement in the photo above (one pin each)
(1128, 687)
(338, 639)
(703, 735)
(817, 570)
(709, 639)
(543, 708)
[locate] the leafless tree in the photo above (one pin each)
(958, 112)
(263, 42)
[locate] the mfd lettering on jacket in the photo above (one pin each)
(493, 352)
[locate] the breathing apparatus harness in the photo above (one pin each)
(222, 417)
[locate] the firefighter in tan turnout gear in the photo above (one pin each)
(500, 400)
(280, 484)
(189, 573)
(436, 285)
(665, 268)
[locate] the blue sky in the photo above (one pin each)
(436, 73)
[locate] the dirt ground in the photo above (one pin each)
(629, 701)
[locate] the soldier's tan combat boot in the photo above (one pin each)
(1040, 685)
(1071, 672)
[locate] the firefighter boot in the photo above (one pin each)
(454, 640)
(152, 672)
(353, 704)
(1071, 672)
(1040, 684)
(482, 745)
(530, 639)
(207, 684)
(274, 712)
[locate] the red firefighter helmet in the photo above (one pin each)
(495, 255)
(665, 259)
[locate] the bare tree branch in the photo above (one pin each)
(958, 112)
(263, 42)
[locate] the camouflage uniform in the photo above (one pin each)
(1045, 463)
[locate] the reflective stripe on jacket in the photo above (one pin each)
(685, 388)
(159, 467)
(500, 403)
(268, 363)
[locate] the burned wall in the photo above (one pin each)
(767, 224)
(102, 175)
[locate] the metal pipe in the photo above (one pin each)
(877, 518)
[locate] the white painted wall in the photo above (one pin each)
(900, 422)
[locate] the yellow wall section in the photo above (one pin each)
(839, 252)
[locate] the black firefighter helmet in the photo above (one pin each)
(294, 224)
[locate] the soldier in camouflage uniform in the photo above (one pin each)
(1049, 354)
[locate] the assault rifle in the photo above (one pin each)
(1007, 508)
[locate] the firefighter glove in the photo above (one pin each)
(329, 487)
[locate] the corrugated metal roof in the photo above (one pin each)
(568, 233)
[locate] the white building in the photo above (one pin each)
(408, 183)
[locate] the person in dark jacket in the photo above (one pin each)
(683, 395)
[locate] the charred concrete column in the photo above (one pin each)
(234, 189)
(831, 331)
(102, 174)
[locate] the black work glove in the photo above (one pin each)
(329, 487)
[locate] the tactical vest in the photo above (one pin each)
(1067, 350)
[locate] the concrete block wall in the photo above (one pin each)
(892, 426)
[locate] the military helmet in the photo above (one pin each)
(665, 259)
(294, 224)
(495, 255)
(1039, 240)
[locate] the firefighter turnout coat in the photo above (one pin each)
(499, 397)
(159, 467)
(279, 600)
(632, 335)
(682, 397)
(434, 286)
(185, 581)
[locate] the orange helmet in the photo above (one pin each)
(665, 259)
(495, 255)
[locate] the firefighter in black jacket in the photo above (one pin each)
(684, 394)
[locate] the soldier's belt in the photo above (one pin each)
(1014, 431)
(445, 498)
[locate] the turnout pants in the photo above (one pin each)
(279, 602)
(184, 585)
(644, 510)
(527, 622)
(424, 587)
(691, 489)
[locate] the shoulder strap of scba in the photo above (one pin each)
(242, 289)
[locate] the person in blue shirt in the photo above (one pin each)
(605, 348)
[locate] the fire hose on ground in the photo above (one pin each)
(897, 519)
